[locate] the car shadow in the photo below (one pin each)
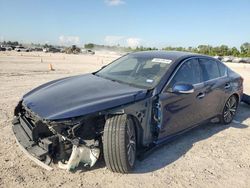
(177, 148)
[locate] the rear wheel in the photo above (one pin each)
(119, 143)
(229, 110)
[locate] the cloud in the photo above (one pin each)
(114, 2)
(114, 40)
(69, 40)
(133, 42)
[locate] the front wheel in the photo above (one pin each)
(229, 110)
(119, 143)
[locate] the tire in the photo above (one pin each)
(229, 110)
(119, 144)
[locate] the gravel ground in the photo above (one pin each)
(211, 155)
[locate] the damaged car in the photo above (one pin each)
(127, 108)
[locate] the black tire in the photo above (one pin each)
(229, 110)
(119, 144)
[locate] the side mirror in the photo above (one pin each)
(183, 88)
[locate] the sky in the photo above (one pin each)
(157, 23)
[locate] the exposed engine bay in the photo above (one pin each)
(66, 142)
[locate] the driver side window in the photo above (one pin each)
(188, 73)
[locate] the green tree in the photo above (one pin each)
(205, 49)
(89, 46)
(235, 52)
(224, 50)
(245, 49)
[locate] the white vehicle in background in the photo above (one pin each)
(21, 49)
(227, 58)
(88, 51)
(46, 50)
(52, 49)
(8, 48)
(218, 57)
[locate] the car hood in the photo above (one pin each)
(79, 95)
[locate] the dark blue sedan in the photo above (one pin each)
(137, 102)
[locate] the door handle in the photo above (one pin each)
(200, 95)
(227, 86)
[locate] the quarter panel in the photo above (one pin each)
(142, 111)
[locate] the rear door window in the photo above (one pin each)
(209, 68)
(222, 69)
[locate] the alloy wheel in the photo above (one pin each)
(131, 144)
(230, 109)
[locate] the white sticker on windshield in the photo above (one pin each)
(159, 60)
(149, 81)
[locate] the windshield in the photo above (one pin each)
(145, 72)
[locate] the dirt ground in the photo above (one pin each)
(209, 156)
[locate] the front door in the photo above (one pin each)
(180, 111)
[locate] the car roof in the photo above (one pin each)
(171, 55)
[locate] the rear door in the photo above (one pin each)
(180, 111)
(215, 83)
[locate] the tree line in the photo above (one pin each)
(222, 50)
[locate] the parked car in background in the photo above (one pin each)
(2, 49)
(37, 49)
(8, 48)
(241, 60)
(52, 50)
(227, 59)
(245, 60)
(88, 51)
(21, 49)
(218, 57)
(128, 107)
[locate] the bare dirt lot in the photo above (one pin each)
(209, 156)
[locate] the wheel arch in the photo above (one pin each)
(232, 94)
(138, 130)
(237, 97)
(137, 124)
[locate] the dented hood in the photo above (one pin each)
(79, 95)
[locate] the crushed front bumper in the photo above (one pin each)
(23, 133)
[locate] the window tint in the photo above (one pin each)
(209, 68)
(222, 68)
(189, 73)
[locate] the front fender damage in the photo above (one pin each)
(68, 142)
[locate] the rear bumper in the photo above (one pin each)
(22, 132)
(246, 99)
